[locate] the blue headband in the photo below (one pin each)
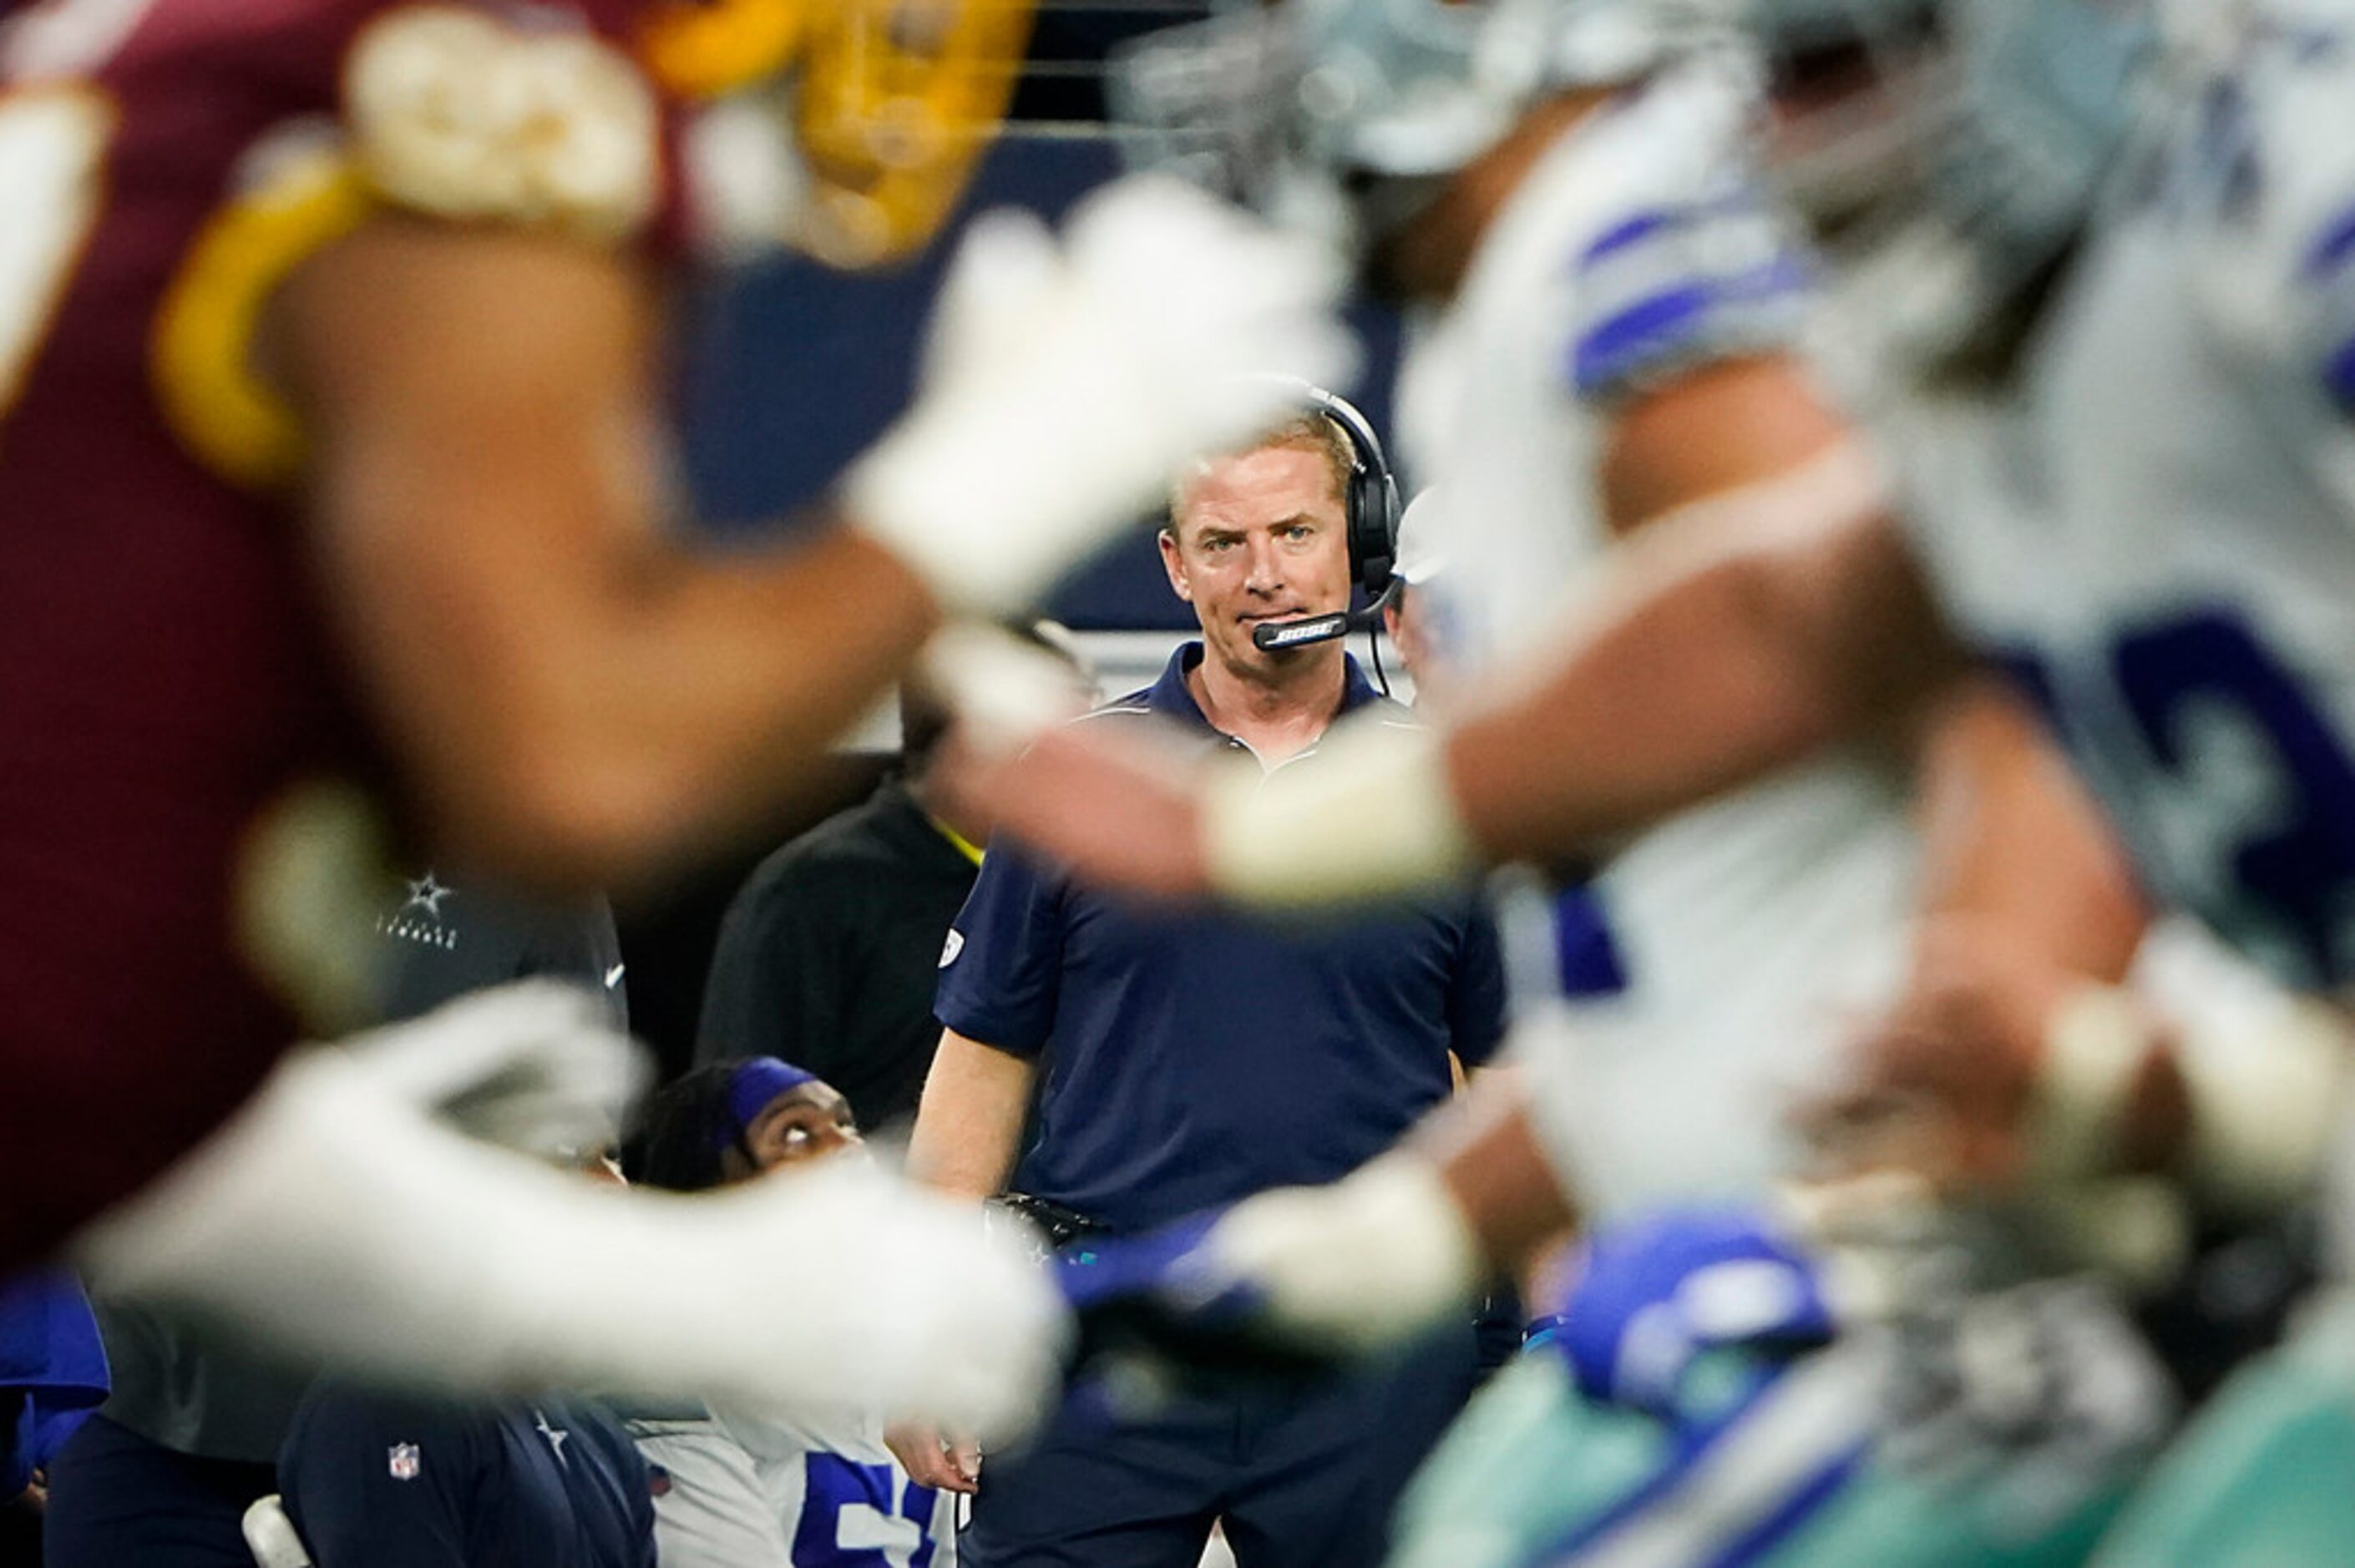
(751, 1087)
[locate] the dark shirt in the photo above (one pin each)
(370, 1480)
(1193, 1057)
(441, 942)
(830, 953)
(196, 1394)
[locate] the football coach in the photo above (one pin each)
(1184, 1059)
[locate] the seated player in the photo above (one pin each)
(737, 1488)
(332, 436)
(371, 1480)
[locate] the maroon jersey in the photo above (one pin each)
(170, 703)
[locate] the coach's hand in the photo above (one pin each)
(931, 1460)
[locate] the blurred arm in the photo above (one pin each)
(2010, 836)
(1493, 1165)
(1761, 578)
(489, 482)
(969, 1126)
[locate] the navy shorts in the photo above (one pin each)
(1302, 1473)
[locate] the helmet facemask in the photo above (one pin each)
(1949, 160)
(1341, 118)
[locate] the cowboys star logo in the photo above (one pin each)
(555, 1434)
(426, 894)
(419, 918)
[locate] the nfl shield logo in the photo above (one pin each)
(402, 1460)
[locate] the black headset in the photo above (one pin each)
(1369, 512)
(1369, 500)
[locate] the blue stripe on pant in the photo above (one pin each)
(1301, 1474)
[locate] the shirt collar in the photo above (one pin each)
(1171, 696)
(956, 841)
(896, 794)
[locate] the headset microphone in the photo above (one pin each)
(1269, 635)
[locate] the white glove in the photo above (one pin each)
(1005, 693)
(1063, 388)
(531, 1066)
(849, 1288)
(1364, 1264)
(336, 1219)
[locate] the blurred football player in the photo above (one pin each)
(2156, 416)
(332, 372)
(1610, 339)
(1607, 339)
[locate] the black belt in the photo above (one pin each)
(1063, 1227)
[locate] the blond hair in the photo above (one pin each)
(1308, 429)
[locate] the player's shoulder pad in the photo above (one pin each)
(1695, 264)
(2263, 181)
(462, 115)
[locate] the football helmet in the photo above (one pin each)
(1341, 114)
(1950, 150)
(885, 105)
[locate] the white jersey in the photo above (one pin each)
(739, 1490)
(1752, 933)
(2158, 533)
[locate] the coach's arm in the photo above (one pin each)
(970, 1120)
(967, 1129)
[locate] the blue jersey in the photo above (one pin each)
(52, 1372)
(1190, 1058)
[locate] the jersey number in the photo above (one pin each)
(2298, 862)
(836, 1485)
(52, 149)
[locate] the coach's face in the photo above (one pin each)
(1258, 537)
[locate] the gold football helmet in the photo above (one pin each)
(888, 104)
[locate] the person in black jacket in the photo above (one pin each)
(829, 954)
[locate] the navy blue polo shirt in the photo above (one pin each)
(1190, 1057)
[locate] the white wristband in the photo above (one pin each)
(2264, 1106)
(2094, 1046)
(1370, 814)
(2266, 1096)
(1366, 1262)
(1005, 693)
